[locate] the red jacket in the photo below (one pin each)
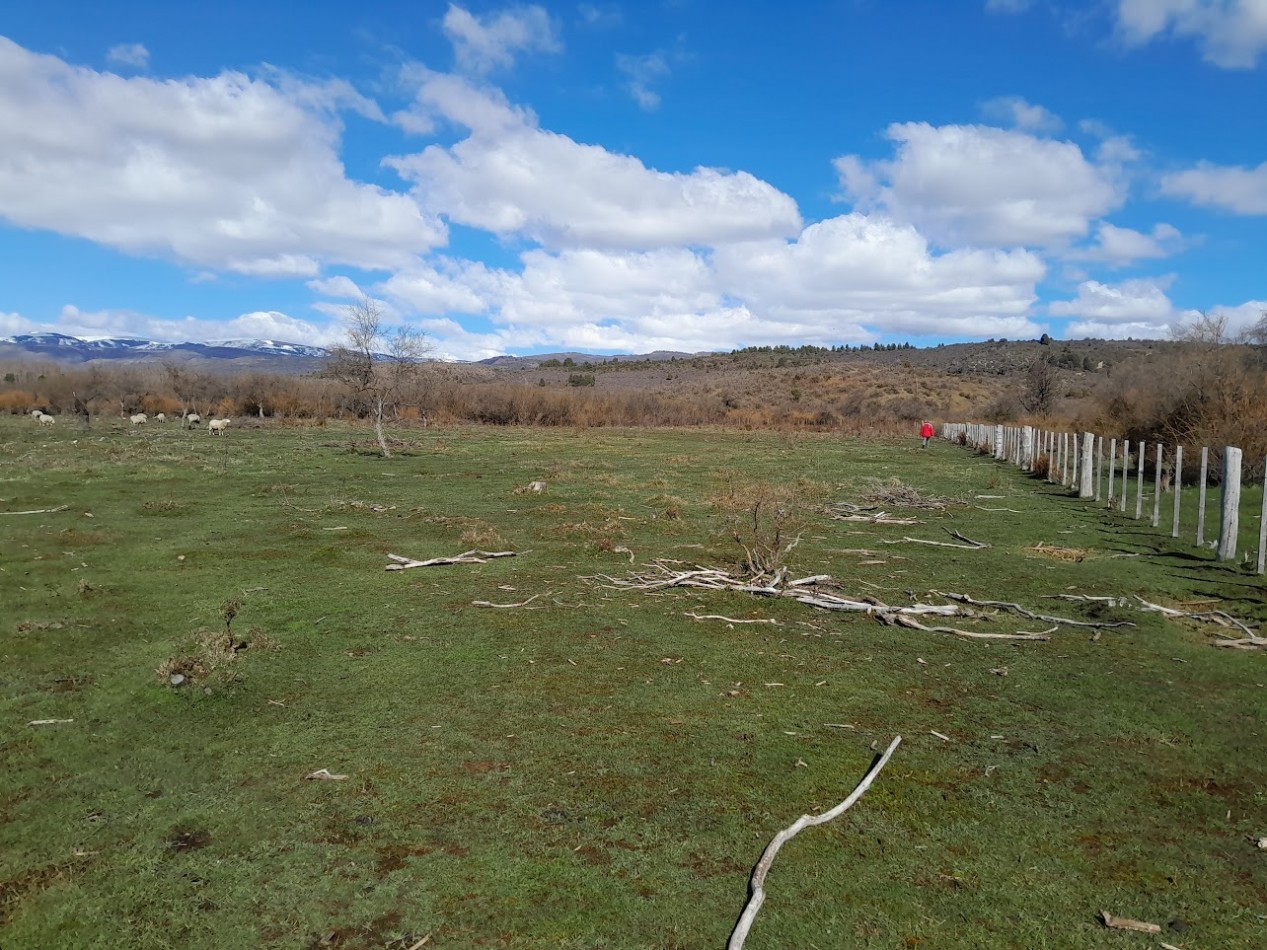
(926, 430)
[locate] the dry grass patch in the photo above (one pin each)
(1055, 553)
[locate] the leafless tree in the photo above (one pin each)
(1041, 388)
(376, 363)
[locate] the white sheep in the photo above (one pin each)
(46, 420)
(192, 419)
(36, 413)
(161, 417)
(217, 426)
(139, 419)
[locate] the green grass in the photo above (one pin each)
(601, 772)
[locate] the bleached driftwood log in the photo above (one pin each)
(467, 557)
(756, 884)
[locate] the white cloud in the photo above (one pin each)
(14, 323)
(336, 286)
(1235, 189)
(1007, 6)
(1132, 308)
(492, 43)
(226, 172)
(129, 54)
(872, 271)
(1121, 246)
(1021, 114)
(1231, 33)
(511, 177)
(641, 73)
(124, 323)
(970, 184)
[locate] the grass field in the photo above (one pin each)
(596, 769)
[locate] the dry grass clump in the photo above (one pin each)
(208, 658)
(482, 535)
(897, 494)
(1072, 555)
(765, 519)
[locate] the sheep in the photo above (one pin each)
(161, 417)
(217, 426)
(46, 420)
(139, 419)
(36, 413)
(192, 419)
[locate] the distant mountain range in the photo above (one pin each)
(255, 354)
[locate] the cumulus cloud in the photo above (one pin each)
(225, 172)
(1230, 33)
(129, 54)
(872, 271)
(1133, 308)
(123, 323)
(1118, 247)
(481, 45)
(14, 323)
(1230, 188)
(641, 73)
(1020, 114)
(979, 185)
(513, 178)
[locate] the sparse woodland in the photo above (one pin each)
(1200, 389)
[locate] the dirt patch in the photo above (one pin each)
(13, 890)
(1071, 555)
(188, 839)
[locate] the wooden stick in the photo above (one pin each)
(695, 616)
(467, 557)
(37, 511)
(756, 885)
(522, 603)
(905, 620)
(1125, 923)
(941, 544)
(1045, 618)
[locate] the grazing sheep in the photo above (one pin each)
(139, 419)
(46, 420)
(216, 426)
(192, 419)
(160, 417)
(36, 413)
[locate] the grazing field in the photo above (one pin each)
(595, 768)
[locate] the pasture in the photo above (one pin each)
(596, 768)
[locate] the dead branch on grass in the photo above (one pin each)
(906, 620)
(1029, 614)
(1125, 923)
(974, 546)
(756, 884)
(695, 616)
(467, 557)
(37, 511)
(843, 511)
(522, 603)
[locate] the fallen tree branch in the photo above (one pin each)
(959, 537)
(1125, 923)
(905, 620)
(522, 603)
(467, 557)
(37, 511)
(1017, 608)
(974, 546)
(1220, 617)
(756, 885)
(695, 616)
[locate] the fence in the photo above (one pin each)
(1079, 461)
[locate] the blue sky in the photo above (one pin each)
(623, 177)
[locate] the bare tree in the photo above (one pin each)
(377, 364)
(1041, 388)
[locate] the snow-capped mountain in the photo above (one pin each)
(63, 348)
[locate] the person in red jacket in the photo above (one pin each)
(926, 432)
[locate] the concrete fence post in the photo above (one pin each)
(1205, 470)
(1126, 474)
(998, 442)
(1262, 528)
(1176, 485)
(1027, 449)
(1139, 485)
(1157, 465)
(1108, 502)
(1230, 506)
(1099, 465)
(1086, 471)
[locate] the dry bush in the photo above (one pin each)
(1042, 466)
(765, 519)
(895, 493)
(209, 656)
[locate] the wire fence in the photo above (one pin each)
(1134, 477)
